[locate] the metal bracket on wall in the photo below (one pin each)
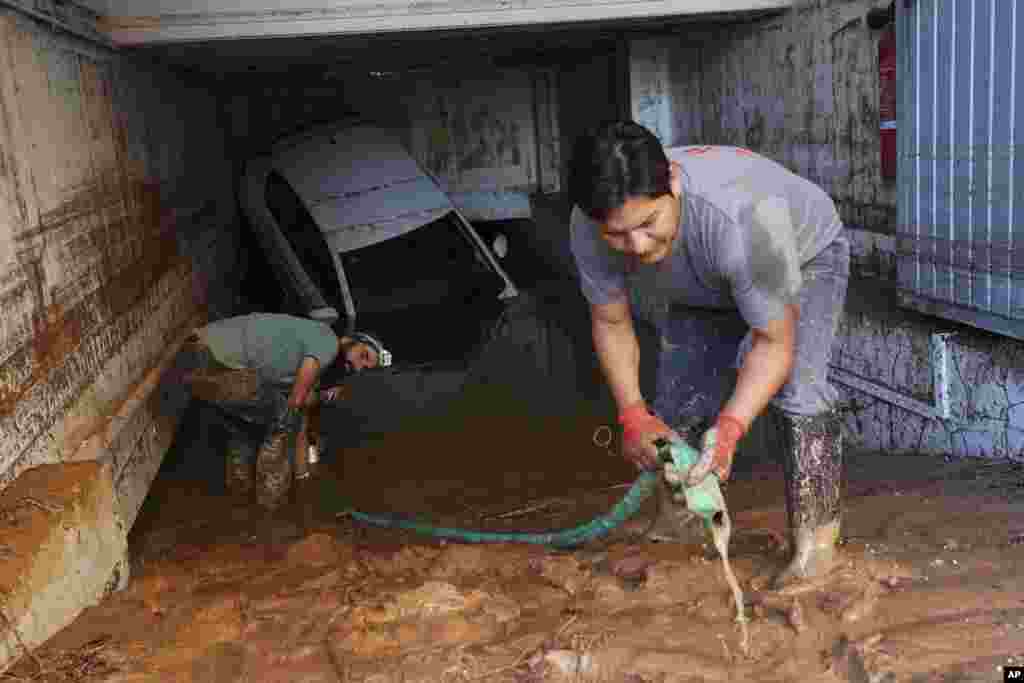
(938, 409)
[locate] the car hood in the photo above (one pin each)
(360, 184)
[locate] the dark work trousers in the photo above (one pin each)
(248, 419)
(700, 350)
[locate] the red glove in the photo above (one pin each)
(640, 428)
(718, 447)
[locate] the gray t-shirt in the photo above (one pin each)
(272, 343)
(747, 226)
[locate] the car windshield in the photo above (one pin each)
(428, 291)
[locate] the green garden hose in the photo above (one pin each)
(704, 499)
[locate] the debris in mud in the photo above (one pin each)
(860, 606)
(95, 658)
(220, 662)
(795, 617)
(432, 599)
(596, 561)
(631, 565)
(532, 508)
(566, 662)
(458, 560)
(848, 663)
(632, 570)
(219, 593)
(318, 549)
(761, 602)
(561, 571)
(436, 614)
(609, 593)
(851, 598)
(892, 582)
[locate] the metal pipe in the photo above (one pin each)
(939, 409)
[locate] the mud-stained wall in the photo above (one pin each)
(964, 388)
(111, 174)
(471, 134)
(801, 88)
(490, 138)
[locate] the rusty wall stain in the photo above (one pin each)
(97, 276)
(43, 405)
(122, 279)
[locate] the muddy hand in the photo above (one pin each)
(289, 422)
(640, 429)
(718, 446)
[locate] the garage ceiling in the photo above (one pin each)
(142, 22)
(323, 57)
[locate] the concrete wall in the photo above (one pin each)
(587, 96)
(802, 88)
(111, 174)
(921, 384)
(490, 137)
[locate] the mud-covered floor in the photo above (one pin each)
(931, 587)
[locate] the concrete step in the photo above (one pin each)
(63, 547)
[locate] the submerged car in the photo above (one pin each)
(359, 236)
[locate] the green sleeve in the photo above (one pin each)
(321, 343)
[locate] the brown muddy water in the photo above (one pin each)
(930, 588)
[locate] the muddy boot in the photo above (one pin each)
(675, 523)
(274, 470)
(240, 474)
(813, 461)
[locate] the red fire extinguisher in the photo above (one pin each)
(887, 100)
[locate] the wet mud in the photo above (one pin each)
(929, 586)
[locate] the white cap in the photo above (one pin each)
(383, 355)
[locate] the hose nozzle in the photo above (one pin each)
(704, 499)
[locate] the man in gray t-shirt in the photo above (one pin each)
(682, 235)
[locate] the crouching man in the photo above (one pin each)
(691, 233)
(261, 373)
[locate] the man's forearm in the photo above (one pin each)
(765, 370)
(305, 380)
(619, 353)
(299, 396)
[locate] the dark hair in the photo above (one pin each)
(613, 162)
